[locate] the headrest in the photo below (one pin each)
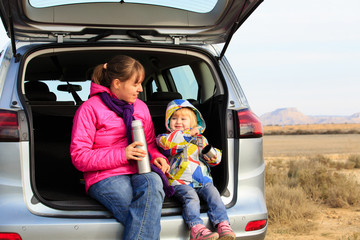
(160, 96)
(38, 91)
(36, 86)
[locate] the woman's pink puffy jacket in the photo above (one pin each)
(98, 139)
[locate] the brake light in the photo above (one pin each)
(10, 236)
(9, 126)
(255, 225)
(249, 125)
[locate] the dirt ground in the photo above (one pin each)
(330, 223)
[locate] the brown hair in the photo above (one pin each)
(185, 111)
(120, 67)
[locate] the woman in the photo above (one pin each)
(102, 148)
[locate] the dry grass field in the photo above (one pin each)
(313, 129)
(313, 183)
(307, 145)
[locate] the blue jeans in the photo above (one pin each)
(135, 201)
(189, 197)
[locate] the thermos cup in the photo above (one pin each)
(139, 135)
(209, 151)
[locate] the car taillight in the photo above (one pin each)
(249, 125)
(9, 126)
(255, 225)
(10, 236)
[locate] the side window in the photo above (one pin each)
(153, 85)
(149, 88)
(185, 81)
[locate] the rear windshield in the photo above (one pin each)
(199, 6)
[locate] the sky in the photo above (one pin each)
(302, 54)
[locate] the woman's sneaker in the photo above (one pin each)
(225, 232)
(200, 232)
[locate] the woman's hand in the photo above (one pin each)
(162, 164)
(133, 153)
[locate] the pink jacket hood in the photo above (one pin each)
(96, 88)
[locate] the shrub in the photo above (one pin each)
(290, 205)
(322, 184)
(295, 188)
(274, 176)
(355, 159)
(352, 236)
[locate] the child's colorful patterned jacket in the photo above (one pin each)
(187, 166)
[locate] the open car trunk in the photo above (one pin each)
(67, 70)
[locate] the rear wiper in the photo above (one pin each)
(137, 36)
(100, 36)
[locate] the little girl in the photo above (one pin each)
(189, 170)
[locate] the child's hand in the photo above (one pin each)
(195, 131)
(162, 164)
(213, 159)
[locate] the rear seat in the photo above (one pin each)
(38, 93)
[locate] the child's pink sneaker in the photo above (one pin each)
(200, 232)
(225, 232)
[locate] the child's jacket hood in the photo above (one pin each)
(187, 164)
(175, 105)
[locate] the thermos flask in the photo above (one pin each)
(139, 135)
(209, 151)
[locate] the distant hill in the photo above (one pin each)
(291, 116)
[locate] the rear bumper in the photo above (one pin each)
(15, 217)
(18, 216)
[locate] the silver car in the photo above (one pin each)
(44, 77)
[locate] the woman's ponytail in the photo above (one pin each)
(98, 74)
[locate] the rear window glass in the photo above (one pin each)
(199, 6)
(67, 96)
(185, 81)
